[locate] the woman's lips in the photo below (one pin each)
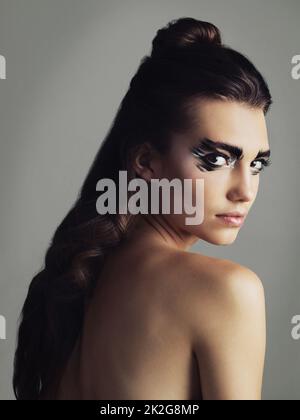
(232, 220)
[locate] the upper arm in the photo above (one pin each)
(229, 335)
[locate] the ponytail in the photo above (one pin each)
(53, 311)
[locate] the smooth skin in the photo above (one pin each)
(167, 323)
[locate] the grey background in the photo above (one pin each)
(69, 63)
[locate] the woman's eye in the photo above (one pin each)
(216, 159)
(260, 166)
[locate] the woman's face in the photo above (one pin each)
(230, 181)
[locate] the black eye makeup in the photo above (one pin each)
(211, 159)
(264, 163)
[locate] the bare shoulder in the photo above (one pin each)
(216, 288)
(222, 275)
(226, 316)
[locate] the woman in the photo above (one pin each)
(122, 309)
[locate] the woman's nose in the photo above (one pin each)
(243, 185)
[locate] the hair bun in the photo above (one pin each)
(184, 33)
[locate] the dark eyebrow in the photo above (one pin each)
(236, 151)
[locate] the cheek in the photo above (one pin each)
(214, 181)
(214, 185)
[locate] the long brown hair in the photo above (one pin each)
(188, 61)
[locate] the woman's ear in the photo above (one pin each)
(147, 162)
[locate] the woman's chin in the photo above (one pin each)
(221, 239)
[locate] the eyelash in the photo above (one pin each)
(228, 159)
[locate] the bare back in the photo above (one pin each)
(135, 342)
